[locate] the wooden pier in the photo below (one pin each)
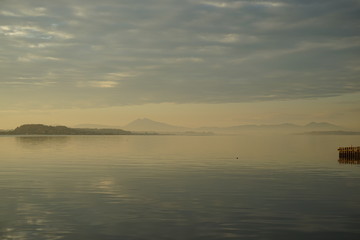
(349, 155)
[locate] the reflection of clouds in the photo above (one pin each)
(33, 222)
(13, 234)
(112, 190)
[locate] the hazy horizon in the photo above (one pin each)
(186, 63)
(148, 125)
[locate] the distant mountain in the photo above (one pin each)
(252, 127)
(279, 128)
(146, 124)
(40, 129)
(265, 126)
(331, 133)
(321, 125)
(97, 126)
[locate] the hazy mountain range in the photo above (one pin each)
(148, 125)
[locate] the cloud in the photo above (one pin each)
(223, 4)
(80, 12)
(32, 32)
(103, 84)
(238, 4)
(181, 60)
(135, 52)
(33, 83)
(229, 38)
(121, 75)
(24, 12)
(31, 58)
(97, 84)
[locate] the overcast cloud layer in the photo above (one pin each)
(87, 53)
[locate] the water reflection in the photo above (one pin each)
(34, 222)
(349, 161)
(33, 141)
(172, 187)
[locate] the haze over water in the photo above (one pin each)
(177, 187)
(221, 66)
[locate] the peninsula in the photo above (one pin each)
(40, 129)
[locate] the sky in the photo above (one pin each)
(185, 62)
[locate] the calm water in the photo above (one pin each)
(177, 187)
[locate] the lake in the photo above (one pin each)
(177, 187)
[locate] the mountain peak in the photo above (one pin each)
(321, 125)
(145, 124)
(144, 120)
